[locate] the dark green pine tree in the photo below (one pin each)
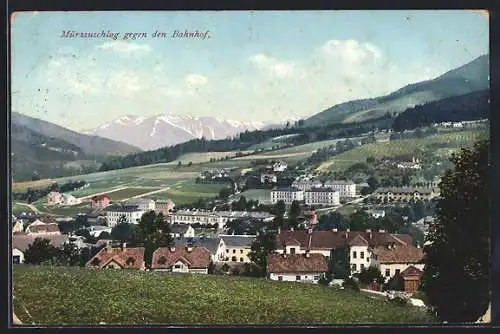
(456, 277)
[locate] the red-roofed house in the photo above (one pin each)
(118, 258)
(100, 201)
(393, 259)
(189, 259)
(360, 244)
(305, 268)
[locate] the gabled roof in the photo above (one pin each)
(44, 228)
(209, 243)
(297, 263)
(412, 271)
(358, 240)
(405, 254)
(22, 241)
(100, 197)
(120, 256)
(292, 242)
(198, 257)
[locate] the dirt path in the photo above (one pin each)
(102, 193)
(32, 207)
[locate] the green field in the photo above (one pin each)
(65, 295)
(69, 211)
(129, 192)
(187, 191)
(19, 208)
(452, 141)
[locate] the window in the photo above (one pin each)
(387, 272)
(362, 255)
(353, 267)
(297, 278)
(367, 259)
(280, 278)
(227, 250)
(234, 251)
(241, 259)
(398, 271)
(362, 266)
(316, 277)
(292, 250)
(234, 259)
(177, 266)
(16, 259)
(354, 255)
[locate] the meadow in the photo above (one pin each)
(79, 296)
(448, 142)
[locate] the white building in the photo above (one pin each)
(69, 200)
(376, 213)
(143, 204)
(288, 195)
(306, 184)
(182, 231)
(347, 189)
(322, 196)
(132, 214)
(196, 216)
(279, 166)
(268, 178)
(96, 231)
(393, 259)
(303, 268)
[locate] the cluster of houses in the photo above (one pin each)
(405, 194)
(313, 192)
(214, 176)
(57, 198)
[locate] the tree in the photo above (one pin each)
(280, 208)
(395, 283)
(41, 250)
(456, 276)
(339, 263)
(68, 255)
(122, 232)
(370, 275)
(152, 232)
(293, 214)
(264, 244)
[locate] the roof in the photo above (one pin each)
(179, 228)
(297, 263)
(408, 254)
(22, 241)
(322, 189)
(102, 242)
(358, 240)
(291, 189)
(412, 271)
(45, 228)
(100, 197)
(292, 242)
(123, 208)
(198, 257)
(330, 239)
(340, 182)
(120, 256)
(212, 244)
(238, 240)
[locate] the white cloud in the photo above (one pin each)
(196, 80)
(273, 66)
(124, 82)
(125, 47)
(351, 52)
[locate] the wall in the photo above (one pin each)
(291, 277)
(401, 266)
(17, 252)
(358, 261)
(325, 252)
(238, 252)
(183, 268)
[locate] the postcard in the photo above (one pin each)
(250, 167)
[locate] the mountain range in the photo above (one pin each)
(43, 149)
(157, 131)
(473, 76)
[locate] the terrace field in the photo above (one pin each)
(79, 296)
(447, 143)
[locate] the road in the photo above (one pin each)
(32, 207)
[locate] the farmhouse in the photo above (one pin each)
(288, 195)
(164, 206)
(100, 201)
(304, 268)
(132, 214)
(43, 226)
(54, 198)
(118, 258)
(189, 259)
(235, 248)
(322, 196)
(405, 194)
(21, 242)
(181, 231)
(394, 258)
(360, 244)
(347, 189)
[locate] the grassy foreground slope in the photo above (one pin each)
(80, 296)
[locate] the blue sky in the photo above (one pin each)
(267, 66)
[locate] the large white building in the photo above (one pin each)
(132, 214)
(322, 196)
(288, 195)
(215, 217)
(345, 188)
(143, 204)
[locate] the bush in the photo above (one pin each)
(398, 300)
(325, 279)
(420, 295)
(351, 284)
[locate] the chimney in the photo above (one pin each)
(335, 230)
(284, 255)
(381, 231)
(418, 244)
(310, 231)
(307, 253)
(172, 248)
(124, 245)
(369, 233)
(291, 229)
(189, 249)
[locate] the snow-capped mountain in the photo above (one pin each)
(158, 131)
